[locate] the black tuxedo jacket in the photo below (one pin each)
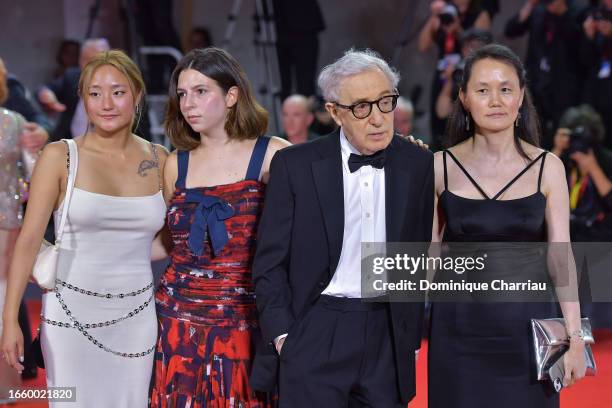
(300, 239)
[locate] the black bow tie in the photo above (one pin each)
(377, 160)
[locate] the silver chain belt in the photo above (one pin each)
(103, 295)
(101, 324)
(82, 327)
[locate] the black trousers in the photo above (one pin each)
(340, 354)
(298, 54)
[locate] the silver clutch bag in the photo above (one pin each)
(550, 341)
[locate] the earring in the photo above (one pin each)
(518, 117)
(467, 122)
(137, 109)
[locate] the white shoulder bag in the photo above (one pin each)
(44, 271)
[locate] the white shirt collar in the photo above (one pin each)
(346, 148)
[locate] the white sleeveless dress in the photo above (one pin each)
(106, 250)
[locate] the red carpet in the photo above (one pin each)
(591, 392)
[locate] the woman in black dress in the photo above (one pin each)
(495, 185)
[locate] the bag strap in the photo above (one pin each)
(73, 164)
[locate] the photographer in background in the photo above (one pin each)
(578, 142)
(470, 41)
(552, 62)
(596, 54)
(448, 19)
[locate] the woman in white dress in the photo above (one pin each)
(98, 325)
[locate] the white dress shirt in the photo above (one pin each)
(364, 221)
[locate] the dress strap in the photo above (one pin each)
(182, 159)
(257, 158)
(468, 175)
(520, 174)
(541, 171)
(156, 160)
(445, 172)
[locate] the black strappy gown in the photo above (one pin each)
(480, 354)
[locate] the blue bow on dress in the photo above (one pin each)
(209, 214)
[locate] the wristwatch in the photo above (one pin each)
(577, 333)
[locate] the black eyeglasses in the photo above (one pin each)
(362, 110)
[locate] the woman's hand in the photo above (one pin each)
(11, 345)
(573, 362)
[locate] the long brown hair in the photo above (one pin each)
(528, 128)
(247, 119)
(4, 93)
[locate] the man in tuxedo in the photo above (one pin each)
(358, 184)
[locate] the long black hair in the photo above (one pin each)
(528, 128)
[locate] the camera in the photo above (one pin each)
(457, 76)
(470, 40)
(581, 140)
(448, 15)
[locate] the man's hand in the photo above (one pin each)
(49, 101)
(278, 343)
(412, 140)
(33, 137)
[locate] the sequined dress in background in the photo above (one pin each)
(11, 212)
(206, 300)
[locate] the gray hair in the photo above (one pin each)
(405, 104)
(101, 43)
(301, 99)
(351, 63)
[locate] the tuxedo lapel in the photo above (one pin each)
(327, 175)
(399, 188)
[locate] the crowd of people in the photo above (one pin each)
(262, 302)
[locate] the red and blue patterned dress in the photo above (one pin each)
(206, 300)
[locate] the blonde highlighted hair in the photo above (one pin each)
(124, 64)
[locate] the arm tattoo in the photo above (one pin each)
(146, 165)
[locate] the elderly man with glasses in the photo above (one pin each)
(362, 183)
